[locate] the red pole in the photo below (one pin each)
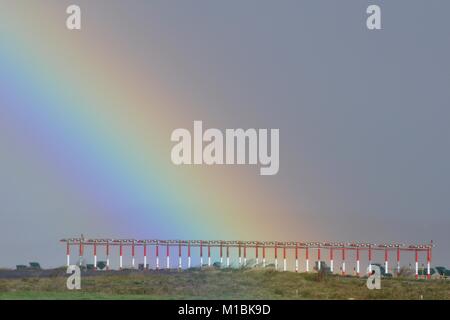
(120, 256)
(201, 253)
(307, 259)
(417, 263)
(95, 256)
(245, 254)
(68, 253)
(343, 261)
(386, 259)
(331, 260)
(157, 256)
(276, 257)
(189, 254)
(318, 258)
(357, 261)
(256, 254)
(167, 256)
(264, 255)
(428, 263)
(209, 254)
(179, 255)
(107, 255)
(296, 257)
(132, 254)
(145, 256)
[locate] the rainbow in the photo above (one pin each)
(98, 128)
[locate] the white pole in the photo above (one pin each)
(120, 262)
(228, 262)
(284, 264)
(179, 262)
(331, 266)
(189, 262)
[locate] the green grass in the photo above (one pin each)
(222, 284)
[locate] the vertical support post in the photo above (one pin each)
(296, 257)
(81, 252)
(120, 255)
(189, 254)
(157, 255)
(264, 255)
(416, 252)
(331, 261)
(221, 253)
(167, 256)
(307, 259)
(276, 257)
(209, 254)
(240, 258)
(357, 261)
(145, 256)
(256, 254)
(245, 254)
(386, 260)
(107, 255)
(179, 255)
(284, 258)
(132, 255)
(428, 263)
(318, 259)
(68, 253)
(398, 261)
(95, 256)
(228, 255)
(201, 254)
(343, 261)
(370, 259)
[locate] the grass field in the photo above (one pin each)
(221, 284)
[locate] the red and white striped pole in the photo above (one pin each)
(221, 253)
(386, 260)
(179, 256)
(398, 261)
(189, 254)
(343, 261)
(145, 256)
(68, 253)
(428, 263)
(264, 255)
(416, 252)
(370, 259)
(284, 258)
(296, 257)
(357, 261)
(132, 255)
(318, 258)
(331, 261)
(157, 256)
(201, 253)
(307, 259)
(81, 252)
(209, 254)
(120, 256)
(276, 257)
(240, 258)
(228, 256)
(107, 255)
(95, 256)
(256, 254)
(167, 256)
(245, 254)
